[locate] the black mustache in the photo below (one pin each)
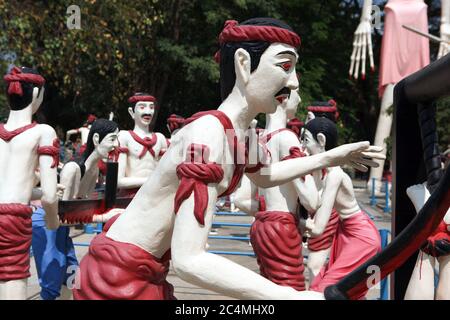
(285, 90)
(146, 115)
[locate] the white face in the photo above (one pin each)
(271, 82)
(310, 144)
(108, 144)
(292, 104)
(143, 112)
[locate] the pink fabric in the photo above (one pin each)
(403, 52)
(356, 241)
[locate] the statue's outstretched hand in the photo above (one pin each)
(444, 47)
(359, 155)
(362, 44)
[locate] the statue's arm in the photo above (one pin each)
(48, 175)
(317, 225)
(358, 155)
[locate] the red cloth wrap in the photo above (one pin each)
(52, 151)
(195, 177)
(438, 244)
(238, 150)
(15, 241)
(7, 136)
(295, 125)
(175, 122)
(294, 152)
(91, 118)
(147, 143)
(278, 247)
(114, 270)
(325, 240)
(233, 32)
(16, 76)
(135, 99)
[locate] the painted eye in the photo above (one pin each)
(286, 66)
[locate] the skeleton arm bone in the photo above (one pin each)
(445, 28)
(362, 42)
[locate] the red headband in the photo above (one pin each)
(16, 75)
(295, 122)
(91, 118)
(233, 32)
(135, 99)
(331, 108)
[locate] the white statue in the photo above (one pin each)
(356, 239)
(274, 235)
(172, 212)
(402, 53)
(83, 131)
(140, 149)
(79, 178)
(437, 249)
(24, 147)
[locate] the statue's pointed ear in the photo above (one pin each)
(242, 65)
(131, 112)
(322, 140)
(96, 139)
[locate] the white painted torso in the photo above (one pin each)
(143, 167)
(18, 162)
(151, 213)
(345, 202)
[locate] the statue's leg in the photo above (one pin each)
(13, 290)
(383, 131)
(443, 289)
(421, 283)
(316, 260)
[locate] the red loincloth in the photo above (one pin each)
(277, 244)
(114, 270)
(325, 240)
(15, 241)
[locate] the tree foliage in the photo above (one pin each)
(166, 47)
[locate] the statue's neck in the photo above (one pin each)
(237, 109)
(277, 120)
(19, 118)
(141, 129)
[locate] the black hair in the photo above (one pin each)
(326, 127)
(327, 114)
(101, 126)
(17, 102)
(254, 48)
(155, 114)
